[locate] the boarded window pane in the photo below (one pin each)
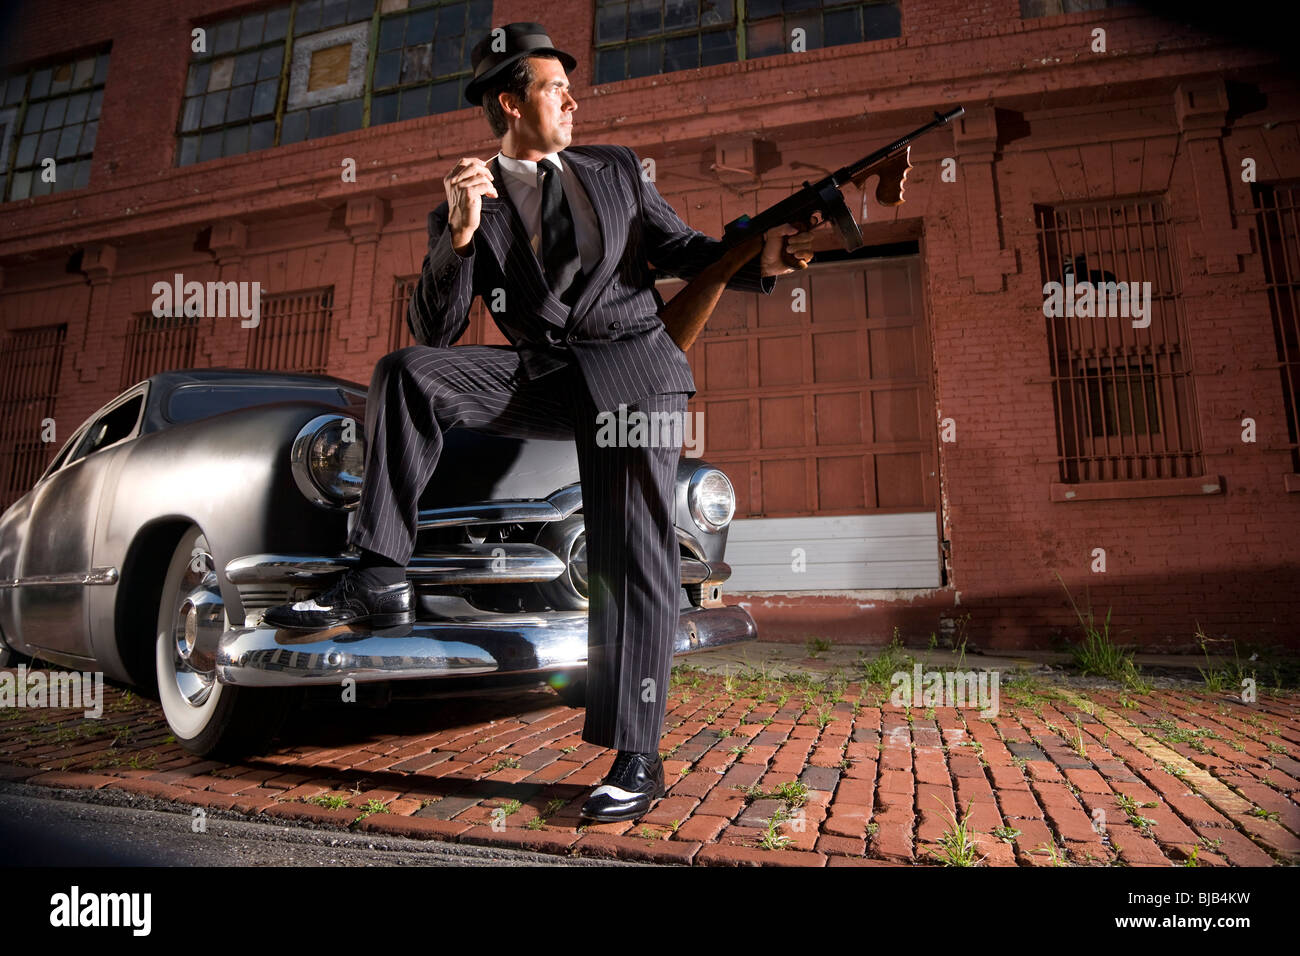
(329, 67)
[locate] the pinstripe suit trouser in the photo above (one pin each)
(628, 493)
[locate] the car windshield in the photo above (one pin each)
(189, 402)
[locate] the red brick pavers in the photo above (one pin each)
(760, 773)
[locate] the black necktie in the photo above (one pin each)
(559, 244)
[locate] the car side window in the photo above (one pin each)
(109, 428)
(63, 454)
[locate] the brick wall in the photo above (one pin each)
(1164, 111)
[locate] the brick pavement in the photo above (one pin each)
(761, 772)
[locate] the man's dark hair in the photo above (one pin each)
(515, 80)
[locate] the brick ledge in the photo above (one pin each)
(1142, 488)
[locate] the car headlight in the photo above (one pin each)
(329, 461)
(711, 498)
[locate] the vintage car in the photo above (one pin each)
(185, 507)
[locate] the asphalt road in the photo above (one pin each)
(42, 827)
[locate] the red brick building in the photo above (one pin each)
(912, 438)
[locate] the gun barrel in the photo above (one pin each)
(846, 173)
(801, 204)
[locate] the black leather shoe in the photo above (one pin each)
(632, 784)
(349, 601)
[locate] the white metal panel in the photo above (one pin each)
(840, 552)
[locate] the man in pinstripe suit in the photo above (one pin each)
(563, 236)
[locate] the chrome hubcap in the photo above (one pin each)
(199, 623)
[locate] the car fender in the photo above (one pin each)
(228, 474)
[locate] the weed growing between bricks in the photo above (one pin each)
(761, 769)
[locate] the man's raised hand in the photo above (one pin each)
(466, 185)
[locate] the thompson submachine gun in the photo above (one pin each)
(688, 311)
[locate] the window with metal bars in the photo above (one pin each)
(1051, 8)
(30, 360)
(50, 112)
(1278, 216)
(1123, 396)
(314, 68)
(158, 344)
(1122, 400)
(645, 37)
(293, 333)
(399, 331)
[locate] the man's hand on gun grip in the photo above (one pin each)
(783, 245)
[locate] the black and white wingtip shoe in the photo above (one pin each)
(634, 782)
(349, 601)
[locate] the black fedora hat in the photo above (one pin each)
(515, 40)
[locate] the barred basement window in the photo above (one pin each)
(30, 360)
(50, 112)
(1279, 230)
(158, 344)
(293, 333)
(645, 37)
(399, 331)
(1050, 8)
(1124, 400)
(317, 68)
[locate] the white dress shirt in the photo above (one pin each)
(525, 192)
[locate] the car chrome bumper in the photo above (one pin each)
(500, 563)
(493, 644)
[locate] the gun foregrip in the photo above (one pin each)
(893, 174)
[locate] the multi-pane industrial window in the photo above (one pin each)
(1279, 230)
(1050, 8)
(50, 113)
(293, 332)
(423, 59)
(30, 360)
(1124, 401)
(319, 67)
(644, 37)
(158, 344)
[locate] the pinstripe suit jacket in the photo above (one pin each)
(613, 331)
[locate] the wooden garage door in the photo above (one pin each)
(818, 404)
